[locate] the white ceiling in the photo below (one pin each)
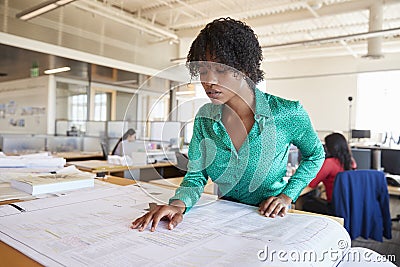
(287, 29)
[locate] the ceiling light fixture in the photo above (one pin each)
(315, 4)
(42, 8)
(52, 71)
(363, 35)
(185, 93)
(103, 9)
(126, 82)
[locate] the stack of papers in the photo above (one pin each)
(39, 160)
(119, 160)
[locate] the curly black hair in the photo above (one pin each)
(230, 42)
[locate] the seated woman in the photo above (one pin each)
(338, 159)
(129, 136)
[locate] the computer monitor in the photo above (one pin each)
(360, 133)
(362, 156)
(136, 146)
(390, 161)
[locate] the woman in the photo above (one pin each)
(129, 136)
(338, 159)
(241, 139)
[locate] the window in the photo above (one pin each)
(78, 109)
(102, 103)
(378, 105)
(100, 107)
(157, 108)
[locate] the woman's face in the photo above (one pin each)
(131, 138)
(221, 82)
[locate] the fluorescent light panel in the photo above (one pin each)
(125, 82)
(63, 2)
(41, 9)
(52, 71)
(185, 93)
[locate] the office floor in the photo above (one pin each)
(388, 246)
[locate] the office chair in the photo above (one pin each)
(104, 149)
(361, 197)
(394, 180)
(396, 219)
(181, 162)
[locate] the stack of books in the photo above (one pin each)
(36, 184)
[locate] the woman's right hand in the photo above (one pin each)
(173, 212)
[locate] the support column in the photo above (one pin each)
(375, 24)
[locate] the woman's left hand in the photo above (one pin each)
(274, 206)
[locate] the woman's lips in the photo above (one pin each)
(213, 93)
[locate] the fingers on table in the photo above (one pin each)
(273, 207)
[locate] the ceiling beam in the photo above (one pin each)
(340, 39)
(259, 21)
(363, 35)
(42, 8)
(30, 44)
(125, 18)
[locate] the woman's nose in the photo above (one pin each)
(209, 78)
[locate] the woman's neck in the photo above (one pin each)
(243, 105)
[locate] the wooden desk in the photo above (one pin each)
(117, 180)
(97, 166)
(69, 156)
(102, 166)
(12, 257)
(394, 190)
(175, 182)
(338, 219)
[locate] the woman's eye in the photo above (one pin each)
(202, 71)
(221, 70)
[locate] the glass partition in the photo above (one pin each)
(91, 144)
(115, 129)
(64, 143)
(22, 144)
(96, 128)
(161, 133)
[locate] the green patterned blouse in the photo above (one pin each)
(254, 172)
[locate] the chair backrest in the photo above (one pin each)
(181, 161)
(361, 198)
(104, 149)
